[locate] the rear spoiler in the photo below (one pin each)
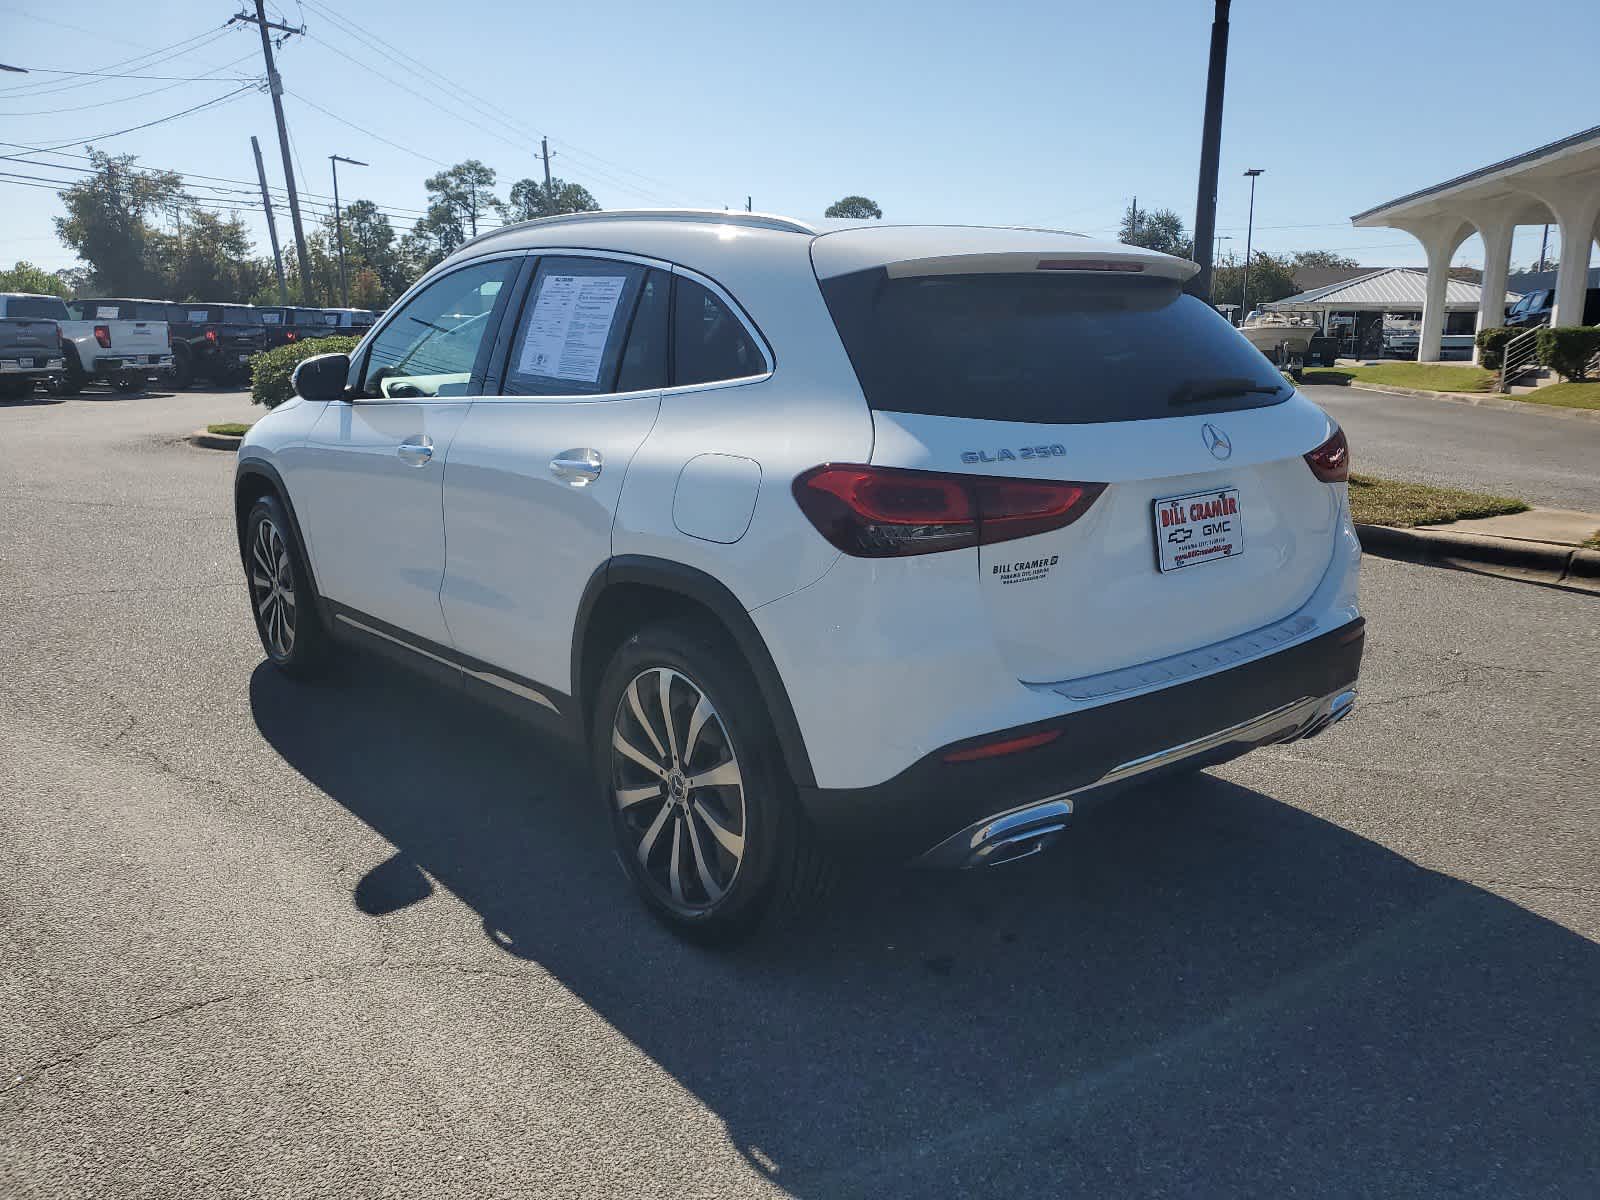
(1097, 262)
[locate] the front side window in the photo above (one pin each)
(574, 322)
(709, 343)
(435, 343)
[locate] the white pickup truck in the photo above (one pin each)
(123, 342)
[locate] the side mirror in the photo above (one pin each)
(321, 377)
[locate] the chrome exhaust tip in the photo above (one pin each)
(1016, 847)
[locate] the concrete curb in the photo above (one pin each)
(1482, 400)
(213, 441)
(1545, 563)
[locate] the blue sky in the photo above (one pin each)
(1037, 113)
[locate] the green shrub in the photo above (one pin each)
(271, 369)
(1492, 347)
(1567, 351)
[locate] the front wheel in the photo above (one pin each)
(703, 812)
(282, 599)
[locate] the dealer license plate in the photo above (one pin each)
(1198, 528)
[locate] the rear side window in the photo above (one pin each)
(36, 308)
(1044, 347)
(574, 323)
(709, 343)
(644, 360)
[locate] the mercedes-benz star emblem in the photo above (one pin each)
(1216, 441)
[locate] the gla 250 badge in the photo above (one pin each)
(1021, 453)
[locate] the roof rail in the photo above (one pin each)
(710, 216)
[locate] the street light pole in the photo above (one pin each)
(338, 222)
(1249, 231)
(1220, 238)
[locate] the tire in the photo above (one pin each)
(182, 372)
(745, 854)
(72, 376)
(282, 599)
(127, 384)
(15, 389)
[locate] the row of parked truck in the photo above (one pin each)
(125, 342)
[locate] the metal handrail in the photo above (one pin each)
(1520, 357)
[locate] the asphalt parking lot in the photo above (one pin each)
(365, 939)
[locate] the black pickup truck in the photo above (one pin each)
(293, 323)
(214, 341)
(30, 343)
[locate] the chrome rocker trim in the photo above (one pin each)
(1022, 832)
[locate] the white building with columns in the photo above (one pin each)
(1558, 184)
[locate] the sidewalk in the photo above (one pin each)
(1542, 545)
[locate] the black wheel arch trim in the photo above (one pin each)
(711, 594)
(255, 468)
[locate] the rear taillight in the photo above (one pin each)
(887, 512)
(211, 335)
(1004, 746)
(1330, 462)
(59, 338)
(102, 334)
(290, 336)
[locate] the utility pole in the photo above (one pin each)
(1133, 218)
(275, 86)
(1205, 205)
(549, 188)
(272, 225)
(1244, 290)
(1544, 244)
(747, 205)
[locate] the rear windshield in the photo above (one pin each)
(1044, 348)
(92, 309)
(35, 308)
(235, 314)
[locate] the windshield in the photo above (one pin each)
(1044, 348)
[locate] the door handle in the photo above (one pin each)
(417, 451)
(577, 467)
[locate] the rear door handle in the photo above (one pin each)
(577, 467)
(417, 451)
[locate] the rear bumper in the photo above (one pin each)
(109, 364)
(960, 814)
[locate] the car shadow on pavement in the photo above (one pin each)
(1203, 990)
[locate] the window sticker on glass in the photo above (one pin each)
(269, 318)
(571, 321)
(105, 312)
(197, 316)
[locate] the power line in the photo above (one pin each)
(100, 137)
(361, 129)
(177, 49)
(50, 112)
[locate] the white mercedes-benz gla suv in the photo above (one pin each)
(892, 540)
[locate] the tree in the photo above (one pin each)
(369, 241)
(530, 199)
(25, 277)
(209, 260)
(108, 222)
(366, 289)
(1324, 258)
(432, 239)
(855, 208)
(468, 188)
(1159, 230)
(1271, 278)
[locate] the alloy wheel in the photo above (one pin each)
(272, 588)
(678, 789)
